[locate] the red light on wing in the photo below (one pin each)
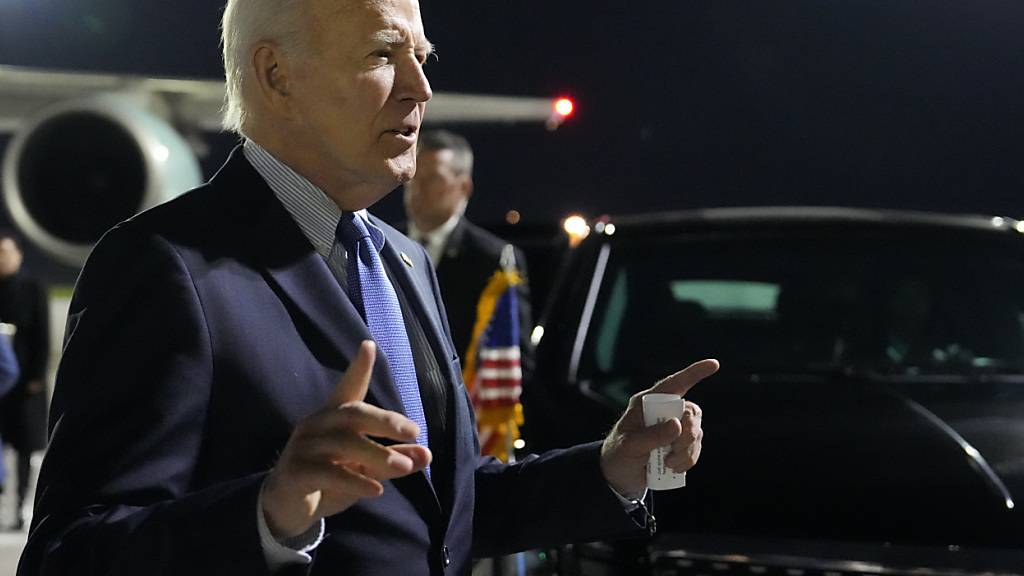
(564, 107)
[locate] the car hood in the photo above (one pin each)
(854, 458)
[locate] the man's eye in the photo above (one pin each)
(385, 54)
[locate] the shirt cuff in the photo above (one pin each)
(638, 511)
(629, 504)
(292, 551)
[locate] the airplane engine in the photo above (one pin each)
(78, 168)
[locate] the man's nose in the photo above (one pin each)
(414, 84)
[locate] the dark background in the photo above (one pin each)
(887, 103)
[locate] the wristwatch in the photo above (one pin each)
(642, 516)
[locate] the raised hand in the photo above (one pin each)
(627, 447)
(330, 461)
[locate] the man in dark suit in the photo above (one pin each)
(24, 304)
(464, 254)
(221, 407)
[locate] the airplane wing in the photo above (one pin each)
(151, 129)
(196, 103)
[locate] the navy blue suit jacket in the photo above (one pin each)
(200, 332)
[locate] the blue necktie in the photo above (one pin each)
(374, 297)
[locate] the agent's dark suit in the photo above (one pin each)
(199, 333)
(470, 258)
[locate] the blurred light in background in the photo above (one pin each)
(603, 226)
(537, 335)
(577, 229)
(513, 217)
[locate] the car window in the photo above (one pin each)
(728, 298)
(795, 303)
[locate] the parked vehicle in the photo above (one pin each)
(869, 414)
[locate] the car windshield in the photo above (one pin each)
(897, 302)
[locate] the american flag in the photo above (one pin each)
(501, 374)
(494, 373)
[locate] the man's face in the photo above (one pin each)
(10, 257)
(437, 191)
(358, 97)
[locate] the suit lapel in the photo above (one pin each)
(299, 275)
(414, 285)
(309, 284)
(453, 246)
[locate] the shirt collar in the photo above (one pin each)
(438, 236)
(314, 212)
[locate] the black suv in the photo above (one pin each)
(869, 414)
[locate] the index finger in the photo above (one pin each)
(682, 381)
(356, 379)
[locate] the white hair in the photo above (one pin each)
(246, 23)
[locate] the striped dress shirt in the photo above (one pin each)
(314, 212)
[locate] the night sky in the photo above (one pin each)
(682, 104)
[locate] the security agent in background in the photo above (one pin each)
(24, 304)
(221, 407)
(465, 255)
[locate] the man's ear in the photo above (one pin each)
(467, 187)
(270, 70)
